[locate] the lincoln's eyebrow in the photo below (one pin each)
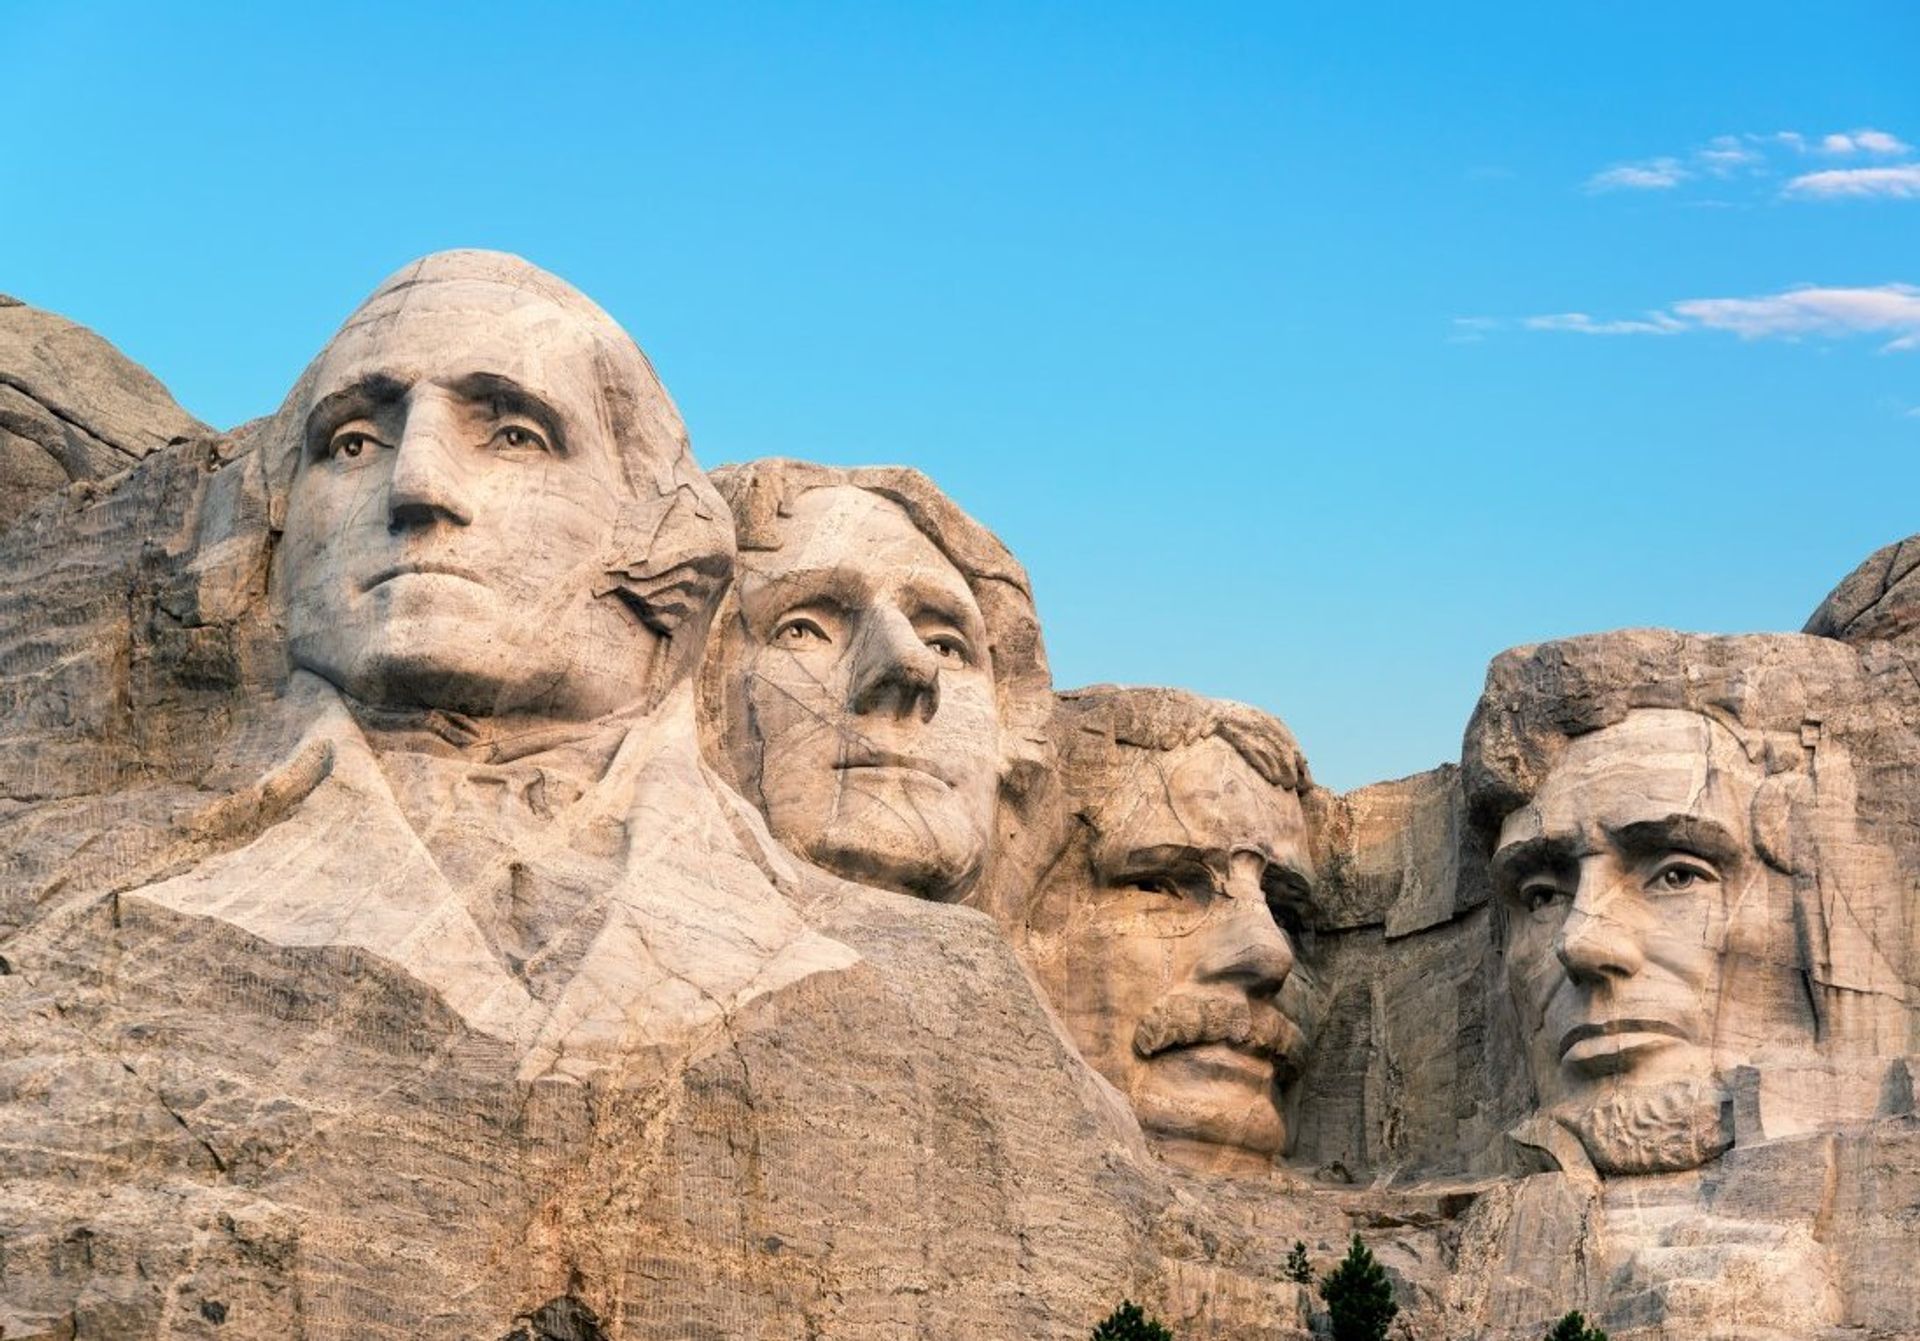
(376, 391)
(515, 399)
(1530, 854)
(1684, 833)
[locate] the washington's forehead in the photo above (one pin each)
(450, 329)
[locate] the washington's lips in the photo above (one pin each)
(1610, 1037)
(416, 567)
(861, 756)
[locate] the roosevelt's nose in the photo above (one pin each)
(427, 487)
(894, 670)
(1598, 942)
(1245, 946)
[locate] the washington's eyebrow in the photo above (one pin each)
(376, 391)
(515, 399)
(1686, 833)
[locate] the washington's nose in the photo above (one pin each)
(894, 671)
(1246, 946)
(1596, 944)
(426, 486)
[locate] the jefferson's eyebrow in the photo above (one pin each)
(375, 391)
(515, 398)
(1685, 833)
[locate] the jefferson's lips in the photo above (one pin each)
(867, 756)
(1580, 1033)
(421, 566)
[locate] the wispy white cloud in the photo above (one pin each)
(1653, 174)
(1869, 141)
(1654, 323)
(1887, 310)
(1750, 156)
(1901, 182)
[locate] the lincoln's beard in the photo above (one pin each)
(1663, 1128)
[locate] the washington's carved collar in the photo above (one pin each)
(580, 751)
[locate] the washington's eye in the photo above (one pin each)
(350, 442)
(518, 438)
(799, 632)
(1679, 874)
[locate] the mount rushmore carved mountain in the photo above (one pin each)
(468, 872)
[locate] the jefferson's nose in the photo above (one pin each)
(426, 487)
(1596, 942)
(894, 670)
(1245, 946)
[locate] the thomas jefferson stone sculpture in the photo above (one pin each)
(1169, 933)
(877, 685)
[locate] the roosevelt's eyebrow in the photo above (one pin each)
(372, 392)
(1686, 833)
(516, 398)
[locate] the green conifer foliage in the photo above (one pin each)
(1299, 1270)
(1359, 1296)
(1574, 1327)
(1128, 1323)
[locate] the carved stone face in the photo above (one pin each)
(1624, 879)
(1166, 951)
(871, 727)
(453, 503)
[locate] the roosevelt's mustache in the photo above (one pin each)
(1187, 1020)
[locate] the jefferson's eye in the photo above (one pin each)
(518, 438)
(1678, 875)
(799, 632)
(350, 442)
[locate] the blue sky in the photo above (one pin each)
(1306, 356)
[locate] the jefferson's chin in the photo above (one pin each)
(895, 838)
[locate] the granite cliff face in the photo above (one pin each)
(463, 874)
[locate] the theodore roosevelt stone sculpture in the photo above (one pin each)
(1169, 931)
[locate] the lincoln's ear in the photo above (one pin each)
(1777, 804)
(683, 557)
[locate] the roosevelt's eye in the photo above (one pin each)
(1165, 886)
(1677, 875)
(799, 631)
(349, 443)
(518, 438)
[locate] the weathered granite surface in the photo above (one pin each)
(414, 924)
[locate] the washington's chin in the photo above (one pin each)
(437, 661)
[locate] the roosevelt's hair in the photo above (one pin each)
(1092, 725)
(761, 492)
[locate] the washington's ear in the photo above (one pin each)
(1776, 804)
(684, 558)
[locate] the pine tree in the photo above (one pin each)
(1359, 1296)
(1574, 1327)
(1299, 1270)
(1128, 1323)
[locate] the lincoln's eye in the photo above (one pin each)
(1538, 896)
(948, 648)
(518, 438)
(1679, 876)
